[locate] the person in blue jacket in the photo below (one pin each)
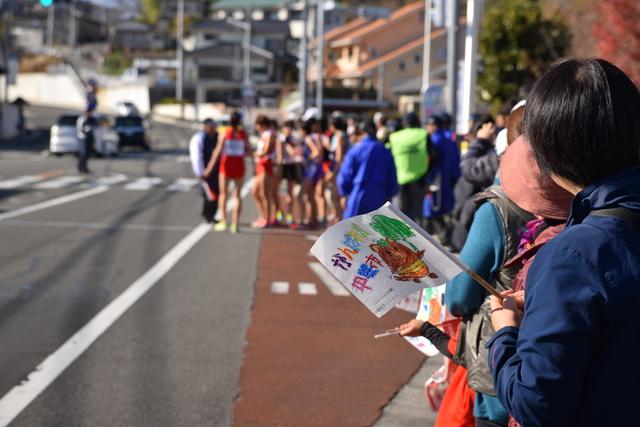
(368, 175)
(443, 174)
(569, 358)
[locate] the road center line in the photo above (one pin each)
(20, 396)
(54, 202)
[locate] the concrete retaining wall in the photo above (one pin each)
(60, 90)
(109, 96)
(48, 89)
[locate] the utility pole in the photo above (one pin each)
(50, 19)
(247, 51)
(6, 37)
(452, 57)
(302, 78)
(426, 59)
(248, 91)
(474, 9)
(320, 38)
(180, 58)
(71, 41)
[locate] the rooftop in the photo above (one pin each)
(248, 4)
(257, 26)
(359, 32)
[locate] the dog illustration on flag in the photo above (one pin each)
(405, 263)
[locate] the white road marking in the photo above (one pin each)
(327, 278)
(183, 159)
(306, 288)
(95, 225)
(59, 182)
(246, 188)
(110, 179)
(183, 184)
(54, 202)
(12, 183)
(311, 237)
(280, 288)
(144, 183)
(20, 396)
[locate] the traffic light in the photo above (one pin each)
(46, 3)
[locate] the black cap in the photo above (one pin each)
(208, 122)
(411, 120)
(435, 120)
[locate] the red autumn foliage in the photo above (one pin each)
(617, 33)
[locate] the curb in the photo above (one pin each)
(408, 408)
(173, 121)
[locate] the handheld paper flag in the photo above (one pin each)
(209, 194)
(383, 256)
(431, 310)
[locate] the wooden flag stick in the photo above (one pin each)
(446, 322)
(493, 291)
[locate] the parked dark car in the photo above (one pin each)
(131, 131)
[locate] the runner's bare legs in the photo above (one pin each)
(222, 197)
(237, 208)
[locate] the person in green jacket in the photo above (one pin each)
(409, 149)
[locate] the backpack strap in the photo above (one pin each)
(629, 216)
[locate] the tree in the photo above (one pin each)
(617, 35)
(392, 229)
(517, 44)
(150, 11)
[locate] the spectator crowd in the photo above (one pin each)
(546, 209)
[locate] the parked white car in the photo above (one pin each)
(63, 135)
(64, 138)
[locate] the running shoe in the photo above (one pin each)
(221, 226)
(233, 228)
(259, 223)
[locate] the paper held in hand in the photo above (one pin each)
(383, 256)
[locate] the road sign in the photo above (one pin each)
(433, 101)
(249, 96)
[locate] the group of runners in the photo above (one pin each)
(306, 154)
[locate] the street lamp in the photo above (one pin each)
(248, 91)
(426, 59)
(246, 27)
(322, 7)
(180, 58)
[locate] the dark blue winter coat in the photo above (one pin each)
(368, 177)
(445, 171)
(574, 359)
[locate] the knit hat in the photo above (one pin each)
(530, 188)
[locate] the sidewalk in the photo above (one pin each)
(409, 408)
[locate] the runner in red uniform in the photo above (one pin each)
(263, 181)
(231, 151)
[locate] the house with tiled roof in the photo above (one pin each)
(375, 62)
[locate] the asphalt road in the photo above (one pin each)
(201, 347)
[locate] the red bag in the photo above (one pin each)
(456, 409)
